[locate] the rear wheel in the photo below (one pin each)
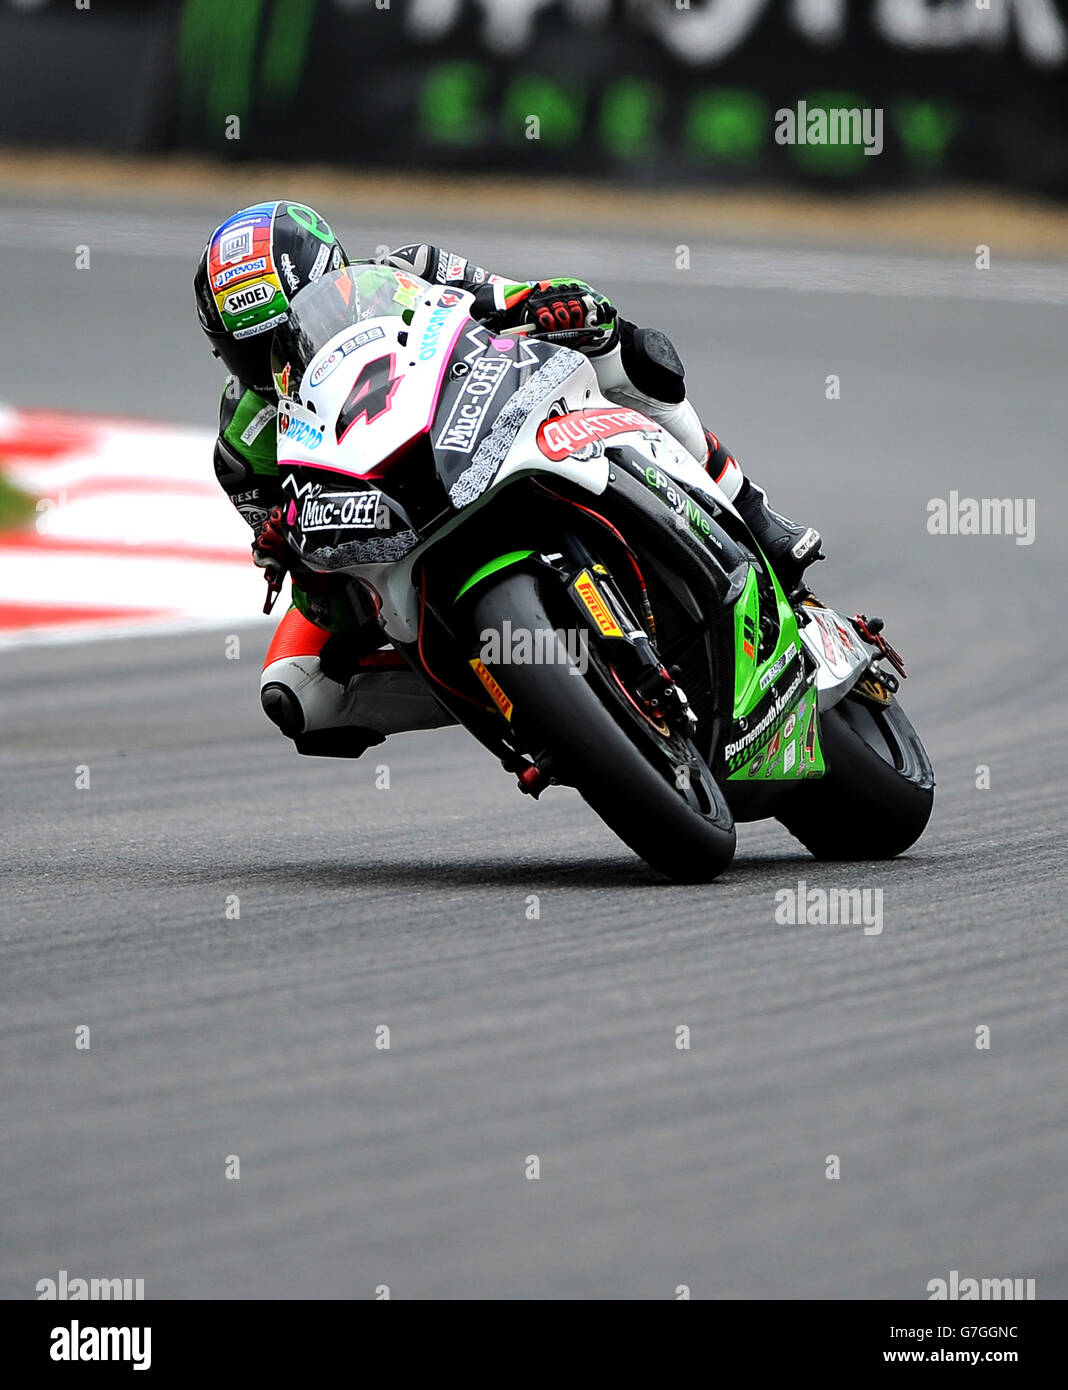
(600, 742)
(877, 794)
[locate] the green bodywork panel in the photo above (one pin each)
(775, 730)
(491, 567)
(775, 736)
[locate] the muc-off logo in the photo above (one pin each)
(356, 510)
(235, 272)
(471, 404)
(299, 431)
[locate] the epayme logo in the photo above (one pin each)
(77, 1343)
(956, 1288)
(820, 907)
(838, 125)
(518, 646)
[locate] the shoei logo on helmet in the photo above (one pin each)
(249, 297)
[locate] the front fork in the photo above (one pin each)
(636, 666)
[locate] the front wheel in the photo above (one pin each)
(876, 796)
(599, 743)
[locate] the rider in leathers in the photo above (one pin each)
(310, 686)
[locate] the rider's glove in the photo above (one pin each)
(549, 306)
(270, 549)
(568, 306)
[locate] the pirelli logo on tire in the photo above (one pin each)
(499, 698)
(598, 610)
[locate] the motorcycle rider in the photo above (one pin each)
(252, 266)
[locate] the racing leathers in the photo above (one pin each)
(318, 697)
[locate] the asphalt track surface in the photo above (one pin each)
(408, 907)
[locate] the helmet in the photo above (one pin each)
(253, 265)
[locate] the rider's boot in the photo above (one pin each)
(791, 548)
(335, 707)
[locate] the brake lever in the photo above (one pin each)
(275, 579)
(562, 335)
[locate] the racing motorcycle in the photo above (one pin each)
(575, 589)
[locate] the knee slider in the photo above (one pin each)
(652, 364)
(282, 707)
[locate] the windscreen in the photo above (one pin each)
(335, 302)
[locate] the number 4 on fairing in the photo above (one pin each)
(371, 395)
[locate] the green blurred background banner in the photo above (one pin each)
(655, 92)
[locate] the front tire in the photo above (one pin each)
(876, 796)
(597, 745)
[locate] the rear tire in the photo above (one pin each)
(598, 746)
(878, 791)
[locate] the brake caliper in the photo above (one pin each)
(664, 698)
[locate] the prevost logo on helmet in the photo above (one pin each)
(561, 435)
(238, 272)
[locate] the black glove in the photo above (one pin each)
(270, 549)
(567, 307)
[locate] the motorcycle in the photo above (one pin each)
(575, 589)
